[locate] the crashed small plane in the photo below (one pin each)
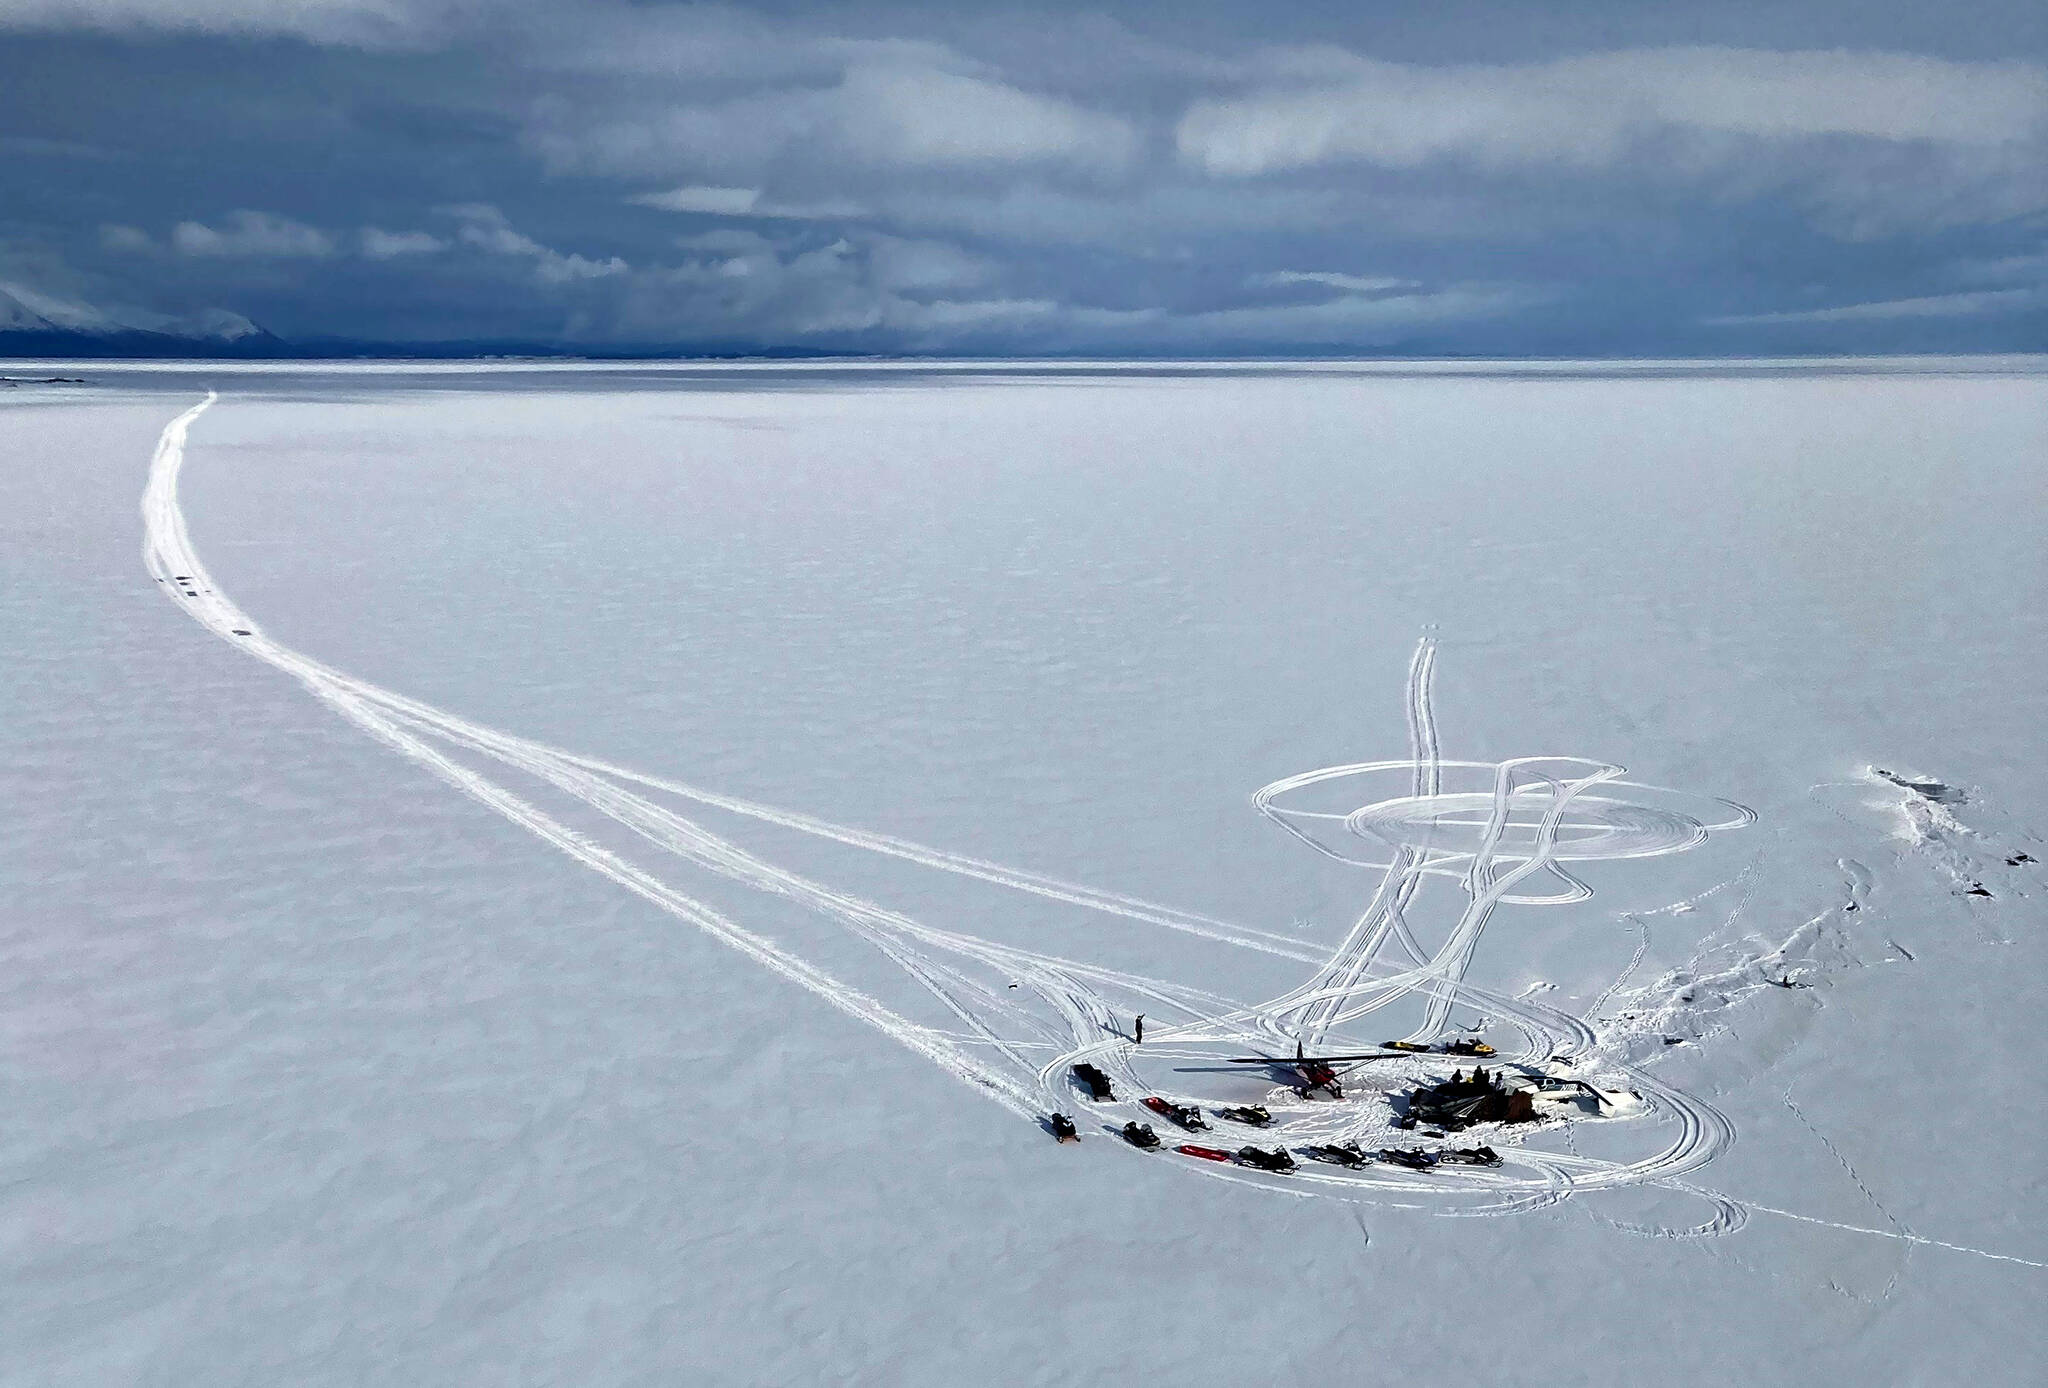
(1460, 1102)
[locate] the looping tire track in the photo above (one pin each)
(427, 735)
(1345, 988)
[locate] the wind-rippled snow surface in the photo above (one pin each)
(589, 875)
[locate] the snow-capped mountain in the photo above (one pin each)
(35, 323)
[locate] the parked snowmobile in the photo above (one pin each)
(1415, 1047)
(1097, 1082)
(1141, 1135)
(1787, 982)
(1412, 1158)
(1253, 1114)
(1186, 1115)
(1346, 1154)
(1469, 1156)
(1063, 1128)
(1274, 1160)
(1469, 1048)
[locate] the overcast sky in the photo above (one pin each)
(1543, 176)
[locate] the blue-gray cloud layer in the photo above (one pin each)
(1200, 178)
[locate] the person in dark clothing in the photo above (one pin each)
(1138, 1031)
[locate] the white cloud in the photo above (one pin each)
(486, 228)
(355, 23)
(1349, 284)
(1969, 305)
(365, 22)
(895, 116)
(925, 116)
(717, 202)
(247, 235)
(1591, 111)
(378, 244)
(746, 202)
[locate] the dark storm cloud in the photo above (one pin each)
(1478, 177)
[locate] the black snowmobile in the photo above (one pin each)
(1469, 1156)
(1275, 1160)
(1413, 1158)
(1097, 1082)
(1141, 1135)
(1253, 1114)
(1345, 1154)
(1186, 1115)
(1063, 1128)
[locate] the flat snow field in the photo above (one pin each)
(593, 875)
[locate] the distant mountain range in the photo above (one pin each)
(34, 324)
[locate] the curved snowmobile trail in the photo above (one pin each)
(1510, 834)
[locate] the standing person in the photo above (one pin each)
(1138, 1032)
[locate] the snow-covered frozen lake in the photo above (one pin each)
(523, 880)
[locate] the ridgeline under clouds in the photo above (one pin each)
(463, 175)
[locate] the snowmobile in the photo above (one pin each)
(1416, 1047)
(1063, 1128)
(1469, 1048)
(1413, 1158)
(1141, 1135)
(1188, 1149)
(1345, 1154)
(1275, 1160)
(1253, 1114)
(1470, 1156)
(1787, 982)
(1097, 1082)
(1186, 1115)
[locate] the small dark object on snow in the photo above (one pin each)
(1097, 1082)
(1141, 1135)
(239, 631)
(1787, 982)
(1275, 1160)
(1138, 1031)
(1930, 790)
(1187, 1115)
(1254, 1114)
(1674, 1040)
(1063, 1128)
(1338, 1154)
(1977, 890)
(1413, 1158)
(1470, 1156)
(2016, 859)
(1459, 1103)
